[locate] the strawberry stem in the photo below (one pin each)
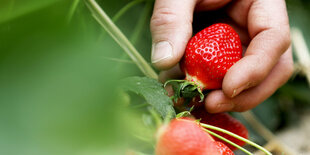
(105, 21)
(156, 117)
(235, 136)
(186, 89)
(185, 113)
(228, 141)
(123, 10)
(72, 10)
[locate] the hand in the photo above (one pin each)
(264, 31)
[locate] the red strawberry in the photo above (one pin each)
(224, 150)
(186, 137)
(209, 54)
(224, 121)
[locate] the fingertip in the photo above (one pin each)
(212, 5)
(163, 64)
(232, 81)
(171, 28)
(244, 74)
(216, 102)
(173, 73)
(167, 53)
(162, 55)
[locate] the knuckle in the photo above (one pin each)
(259, 72)
(166, 18)
(240, 109)
(284, 34)
(242, 106)
(287, 39)
(289, 68)
(287, 65)
(163, 17)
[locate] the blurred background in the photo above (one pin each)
(59, 70)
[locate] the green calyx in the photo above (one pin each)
(185, 113)
(185, 89)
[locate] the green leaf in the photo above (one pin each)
(16, 8)
(153, 92)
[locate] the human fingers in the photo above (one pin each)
(171, 27)
(206, 5)
(176, 73)
(268, 27)
(172, 73)
(217, 101)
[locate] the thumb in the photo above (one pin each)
(171, 27)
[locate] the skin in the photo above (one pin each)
(263, 27)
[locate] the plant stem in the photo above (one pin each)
(141, 23)
(120, 38)
(140, 106)
(119, 60)
(157, 118)
(301, 51)
(236, 136)
(250, 117)
(72, 10)
(120, 13)
(139, 27)
(257, 125)
(125, 9)
(228, 141)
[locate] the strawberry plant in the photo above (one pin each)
(219, 41)
(75, 81)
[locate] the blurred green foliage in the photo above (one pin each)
(58, 91)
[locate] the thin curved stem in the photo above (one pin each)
(139, 27)
(228, 141)
(120, 38)
(236, 136)
(123, 10)
(72, 10)
(141, 23)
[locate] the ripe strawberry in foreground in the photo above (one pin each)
(224, 150)
(208, 56)
(186, 137)
(224, 121)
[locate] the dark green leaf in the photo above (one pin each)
(153, 92)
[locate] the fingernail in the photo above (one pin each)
(237, 91)
(234, 93)
(161, 51)
(240, 89)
